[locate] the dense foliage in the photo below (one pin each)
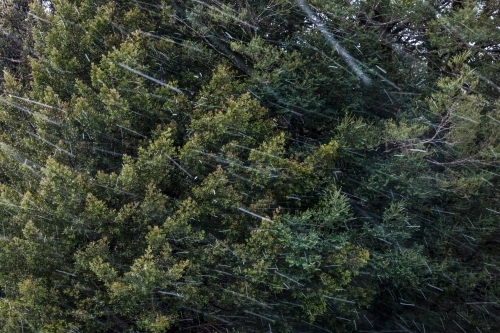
(249, 166)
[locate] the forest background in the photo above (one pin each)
(249, 166)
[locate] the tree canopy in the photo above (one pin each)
(249, 166)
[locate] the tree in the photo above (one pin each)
(249, 165)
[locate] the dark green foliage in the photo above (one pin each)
(249, 166)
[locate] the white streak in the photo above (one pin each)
(150, 78)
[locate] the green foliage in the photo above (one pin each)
(284, 166)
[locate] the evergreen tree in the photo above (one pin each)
(251, 166)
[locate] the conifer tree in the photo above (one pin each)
(251, 166)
